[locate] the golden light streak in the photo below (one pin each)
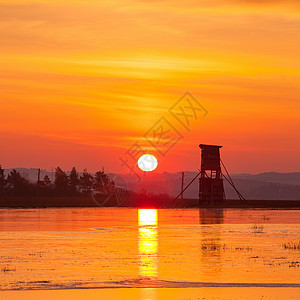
(148, 242)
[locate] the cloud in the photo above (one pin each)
(87, 70)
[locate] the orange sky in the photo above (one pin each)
(81, 81)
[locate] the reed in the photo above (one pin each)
(292, 246)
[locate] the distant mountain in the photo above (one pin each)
(284, 178)
(32, 173)
(262, 186)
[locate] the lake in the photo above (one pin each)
(127, 253)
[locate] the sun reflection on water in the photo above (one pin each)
(148, 242)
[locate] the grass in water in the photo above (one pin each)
(257, 228)
(7, 269)
(212, 246)
(292, 246)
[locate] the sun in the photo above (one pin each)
(147, 162)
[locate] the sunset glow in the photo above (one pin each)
(82, 81)
(149, 149)
(147, 217)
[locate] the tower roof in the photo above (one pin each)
(204, 145)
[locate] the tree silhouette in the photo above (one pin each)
(102, 183)
(14, 186)
(2, 181)
(86, 181)
(46, 180)
(45, 186)
(74, 180)
(61, 182)
(17, 184)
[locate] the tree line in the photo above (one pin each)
(72, 184)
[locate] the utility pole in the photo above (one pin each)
(39, 176)
(182, 184)
(38, 182)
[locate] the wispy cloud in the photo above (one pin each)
(100, 73)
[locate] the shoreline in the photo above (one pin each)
(86, 201)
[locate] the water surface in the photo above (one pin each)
(165, 248)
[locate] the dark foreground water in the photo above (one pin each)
(147, 248)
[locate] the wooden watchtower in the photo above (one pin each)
(211, 188)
